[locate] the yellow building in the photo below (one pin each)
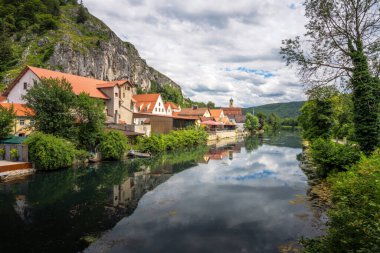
(24, 124)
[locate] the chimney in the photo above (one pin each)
(195, 107)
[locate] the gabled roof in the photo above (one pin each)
(21, 110)
(172, 105)
(232, 111)
(167, 105)
(193, 111)
(79, 83)
(146, 97)
(113, 84)
(216, 113)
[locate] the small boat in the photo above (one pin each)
(133, 153)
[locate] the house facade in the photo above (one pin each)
(235, 114)
(24, 124)
(117, 95)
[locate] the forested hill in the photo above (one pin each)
(284, 110)
(62, 35)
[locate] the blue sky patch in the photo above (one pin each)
(265, 74)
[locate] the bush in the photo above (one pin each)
(2, 153)
(354, 220)
(113, 145)
(180, 139)
(330, 156)
(49, 152)
(14, 154)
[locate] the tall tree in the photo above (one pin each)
(251, 123)
(91, 118)
(82, 14)
(342, 47)
(7, 117)
(53, 101)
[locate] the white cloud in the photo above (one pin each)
(194, 42)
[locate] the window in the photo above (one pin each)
(116, 94)
(123, 94)
(159, 104)
(155, 109)
(25, 86)
(22, 122)
(119, 103)
(32, 122)
(129, 88)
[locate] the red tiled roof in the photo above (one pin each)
(173, 106)
(146, 97)
(20, 109)
(216, 113)
(232, 111)
(79, 84)
(193, 112)
(112, 84)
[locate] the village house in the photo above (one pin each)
(24, 124)
(175, 108)
(235, 114)
(117, 95)
(200, 114)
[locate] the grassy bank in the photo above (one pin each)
(354, 216)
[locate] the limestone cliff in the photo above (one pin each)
(89, 49)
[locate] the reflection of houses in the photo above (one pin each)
(220, 153)
(23, 122)
(133, 188)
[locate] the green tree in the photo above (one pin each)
(91, 119)
(210, 105)
(6, 53)
(343, 48)
(262, 119)
(251, 123)
(113, 146)
(53, 101)
(82, 14)
(7, 118)
(274, 121)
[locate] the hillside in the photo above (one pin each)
(49, 35)
(284, 110)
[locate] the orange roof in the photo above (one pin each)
(216, 113)
(80, 84)
(172, 105)
(3, 98)
(146, 97)
(167, 105)
(193, 112)
(232, 111)
(21, 110)
(113, 84)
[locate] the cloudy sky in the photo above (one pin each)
(214, 49)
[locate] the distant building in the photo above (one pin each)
(201, 114)
(235, 114)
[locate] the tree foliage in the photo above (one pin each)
(49, 152)
(52, 101)
(113, 145)
(82, 14)
(341, 46)
(7, 119)
(90, 121)
(251, 123)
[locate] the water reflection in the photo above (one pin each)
(238, 200)
(55, 212)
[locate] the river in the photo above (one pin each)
(247, 196)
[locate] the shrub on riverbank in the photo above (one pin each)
(49, 152)
(330, 156)
(113, 145)
(180, 139)
(354, 219)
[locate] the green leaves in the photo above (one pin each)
(7, 118)
(113, 146)
(251, 122)
(49, 152)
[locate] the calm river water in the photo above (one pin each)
(242, 197)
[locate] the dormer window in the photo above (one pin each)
(25, 86)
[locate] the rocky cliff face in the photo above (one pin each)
(90, 49)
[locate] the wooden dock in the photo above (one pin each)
(10, 170)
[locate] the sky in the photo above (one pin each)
(214, 49)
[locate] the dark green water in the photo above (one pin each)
(244, 197)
